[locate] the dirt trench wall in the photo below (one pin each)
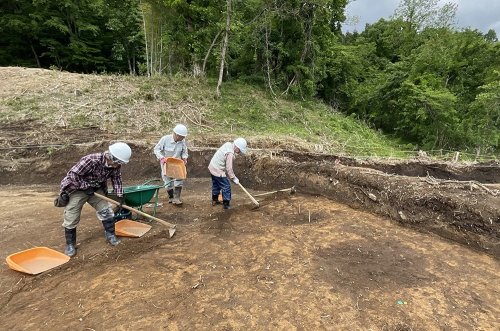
(466, 214)
(485, 173)
(459, 211)
(48, 168)
(32, 164)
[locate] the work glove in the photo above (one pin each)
(236, 180)
(89, 191)
(62, 200)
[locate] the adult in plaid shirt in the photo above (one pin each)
(90, 175)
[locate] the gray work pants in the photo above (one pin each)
(77, 199)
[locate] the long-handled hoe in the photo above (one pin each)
(291, 190)
(249, 195)
(172, 227)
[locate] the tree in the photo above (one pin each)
(153, 18)
(420, 14)
(482, 121)
(70, 33)
(393, 38)
(224, 46)
(491, 36)
(286, 43)
(124, 23)
(19, 34)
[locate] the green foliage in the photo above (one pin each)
(250, 112)
(286, 43)
(420, 14)
(83, 35)
(413, 75)
(482, 121)
(426, 87)
(393, 39)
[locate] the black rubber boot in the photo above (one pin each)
(177, 196)
(109, 231)
(170, 195)
(70, 248)
(215, 200)
(225, 204)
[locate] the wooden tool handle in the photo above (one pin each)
(291, 189)
(134, 210)
(249, 195)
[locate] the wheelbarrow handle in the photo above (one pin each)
(151, 180)
(172, 227)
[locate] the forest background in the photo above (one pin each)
(415, 76)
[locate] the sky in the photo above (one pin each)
(477, 14)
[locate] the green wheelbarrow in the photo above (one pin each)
(139, 195)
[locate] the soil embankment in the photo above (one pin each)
(458, 202)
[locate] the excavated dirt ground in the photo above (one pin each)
(357, 238)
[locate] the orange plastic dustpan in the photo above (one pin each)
(128, 228)
(36, 260)
(175, 168)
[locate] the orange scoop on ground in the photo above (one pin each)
(127, 228)
(175, 168)
(36, 260)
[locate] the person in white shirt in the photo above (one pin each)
(221, 167)
(173, 145)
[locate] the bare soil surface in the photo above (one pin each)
(296, 263)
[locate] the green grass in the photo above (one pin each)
(159, 102)
(254, 112)
(21, 108)
(151, 106)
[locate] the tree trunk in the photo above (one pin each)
(209, 51)
(267, 64)
(161, 48)
(134, 72)
(170, 71)
(146, 43)
(129, 65)
(224, 47)
(152, 49)
(34, 53)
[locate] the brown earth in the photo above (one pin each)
(357, 237)
(320, 259)
(296, 263)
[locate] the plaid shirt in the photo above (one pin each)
(91, 171)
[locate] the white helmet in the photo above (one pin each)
(120, 152)
(241, 143)
(181, 130)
